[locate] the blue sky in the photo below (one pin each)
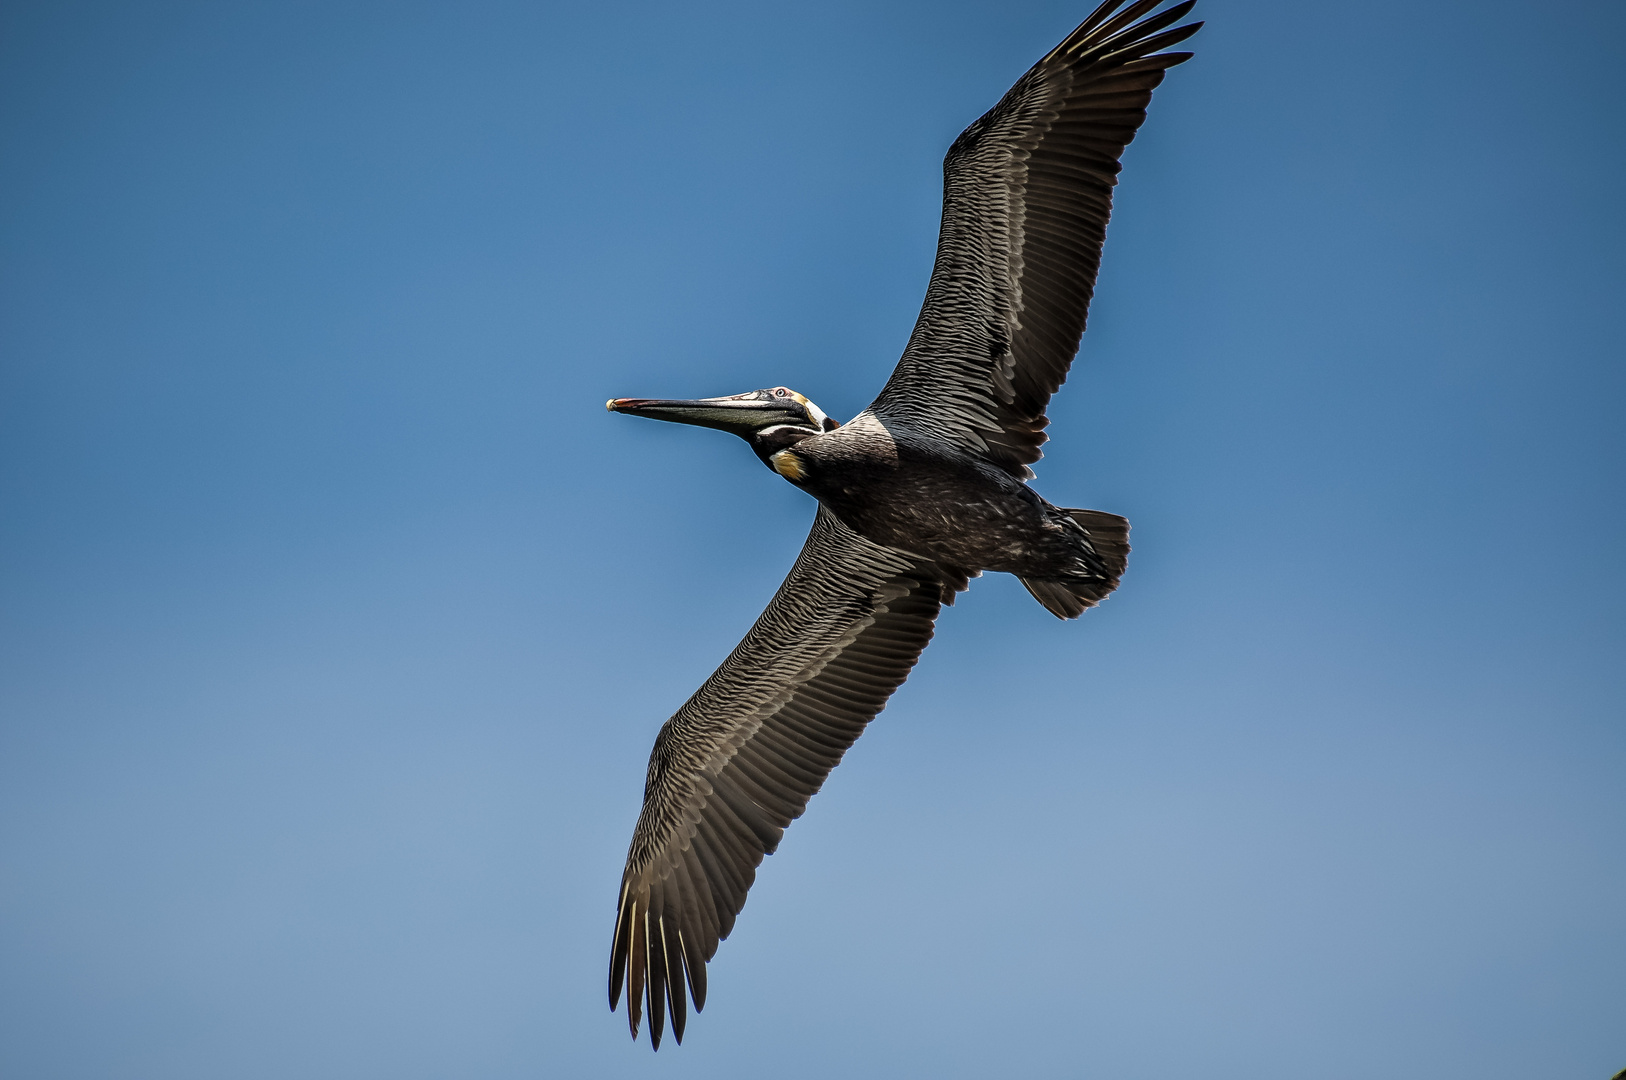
(337, 618)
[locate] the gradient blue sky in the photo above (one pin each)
(338, 617)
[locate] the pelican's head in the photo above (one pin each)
(770, 420)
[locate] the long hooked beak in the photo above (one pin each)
(741, 414)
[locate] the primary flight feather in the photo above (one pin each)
(919, 492)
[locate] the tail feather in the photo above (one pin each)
(1109, 536)
(1069, 596)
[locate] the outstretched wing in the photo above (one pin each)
(1027, 191)
(738, 762)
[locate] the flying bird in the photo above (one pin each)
(917, 494)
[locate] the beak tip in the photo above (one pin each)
(609, 406)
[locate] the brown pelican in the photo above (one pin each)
(921, 491)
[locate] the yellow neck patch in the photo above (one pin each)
(788, 465)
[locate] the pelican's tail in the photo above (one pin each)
(1102, 557)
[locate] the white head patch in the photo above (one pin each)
(819, 419)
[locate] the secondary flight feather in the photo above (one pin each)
(918, 493)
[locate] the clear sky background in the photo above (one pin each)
(338, 617)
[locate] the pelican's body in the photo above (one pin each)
(897, 488)
(920, 492)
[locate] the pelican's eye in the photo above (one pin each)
(781, 392)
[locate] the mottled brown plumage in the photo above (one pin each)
(917, 494)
